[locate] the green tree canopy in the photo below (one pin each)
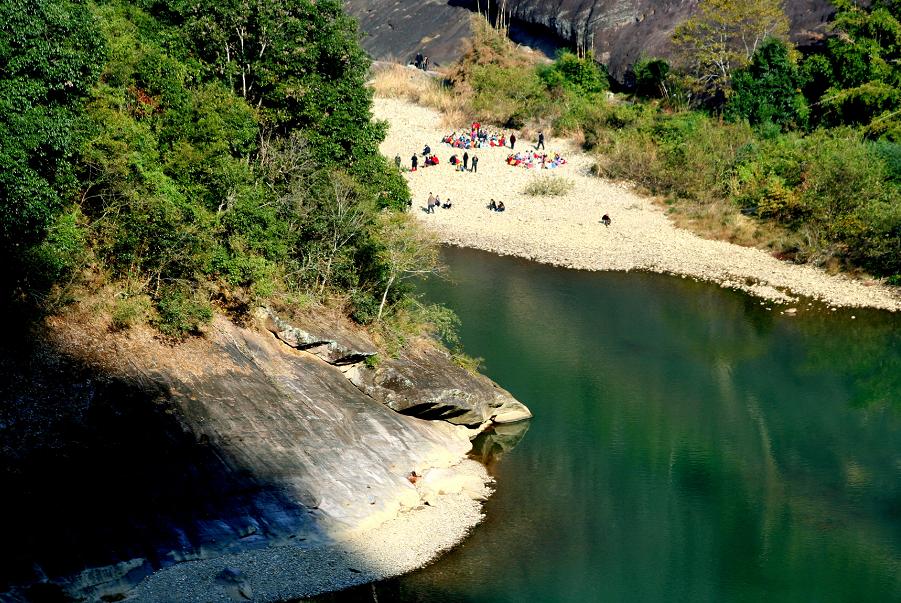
(50, 56)
(722, 37)
(769, 89)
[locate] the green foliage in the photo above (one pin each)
(185, 147)
(50, 55)
(858, 79)
(584, 75)
(180, 312)
(651, 78)
(722, 37)
(544, 185)
(769, 89)
(130, 310)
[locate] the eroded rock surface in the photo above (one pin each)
(426, 383)
(620, 31)
(122, 456)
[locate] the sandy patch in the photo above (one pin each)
(566, 231)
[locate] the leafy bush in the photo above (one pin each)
(545, 185)
(42, 92)
(181, 312)
(130, 310)
(768, 90)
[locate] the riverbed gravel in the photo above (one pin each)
(566, 231)
(293, 569)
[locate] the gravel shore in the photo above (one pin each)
(451, 507)
(566, 231)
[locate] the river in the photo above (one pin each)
(689, 444)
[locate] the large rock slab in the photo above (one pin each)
(425, 382)
(620, 31)
(122, 455)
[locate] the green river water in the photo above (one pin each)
(688, 444)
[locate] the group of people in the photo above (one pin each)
(421, 61)
(496, 205)
(531, 159)
(434, 202)
(463, 164)
(476, 138)
(427, 159)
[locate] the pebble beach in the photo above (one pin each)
(566, 230)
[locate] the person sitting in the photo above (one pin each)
(446, 204)
(492, 206)
(454, 160)
(427, 150)
(605, 220)
(500, 206)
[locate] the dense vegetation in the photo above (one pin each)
(185, 155)
(747, 138)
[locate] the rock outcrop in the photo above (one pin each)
(122, 455)
(620, 31)
(426, 383)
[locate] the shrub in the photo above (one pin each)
(130, 310)
(181, 312)
(545, 185)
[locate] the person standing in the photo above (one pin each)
(425, 63)
(414, 161)
(418, 61)
(540, 141)
(475, 163)
(465, 160)
(397, 161)
(512, 141)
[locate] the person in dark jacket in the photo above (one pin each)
(540, 144)
(414, 161)
(465, 160)
(475, 163)
(512, 141)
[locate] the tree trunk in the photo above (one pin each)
(384, 298)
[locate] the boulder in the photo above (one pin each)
(425, 382)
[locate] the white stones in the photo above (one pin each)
(640, 237)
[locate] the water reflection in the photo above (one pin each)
(689, 444)
(491, 445)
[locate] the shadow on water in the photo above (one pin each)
(96, 472)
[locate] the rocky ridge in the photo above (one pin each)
(619, 31)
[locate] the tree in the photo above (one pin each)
(651, 78)
(298, 60)
(858, 79)
(50, 56)
(408, 251)
(768, 90)
(722, 37)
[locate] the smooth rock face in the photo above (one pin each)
(137, 455)
(424, 382)
(620, 31)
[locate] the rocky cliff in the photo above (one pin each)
(123, 455)
(620, 31)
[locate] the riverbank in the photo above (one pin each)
(409, 541)
(262, 458)
(566, 230)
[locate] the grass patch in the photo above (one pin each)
(545, 185)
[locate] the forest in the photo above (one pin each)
(174, 157)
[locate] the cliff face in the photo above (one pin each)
(621, 31)
(124, 454)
